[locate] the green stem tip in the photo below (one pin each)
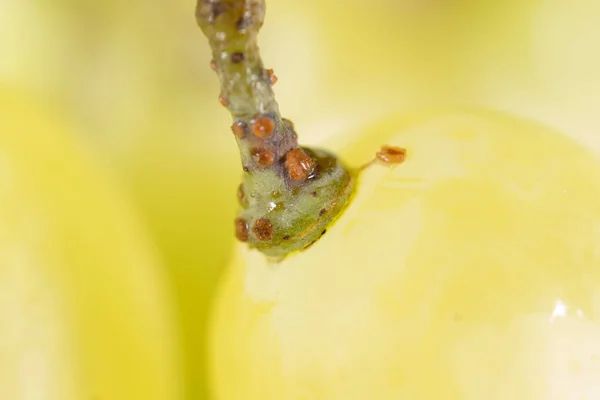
(289, 194)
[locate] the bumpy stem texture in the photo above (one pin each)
(289, 194)
(231, 28)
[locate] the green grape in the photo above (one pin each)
(445, 278)
(468, 271)
(84, 311)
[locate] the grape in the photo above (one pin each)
(84, 312)
(467, 272)
(461, 263)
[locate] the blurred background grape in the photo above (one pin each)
(133, 80)
(85, 309)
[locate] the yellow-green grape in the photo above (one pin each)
(84, 311)
(289, 194)
(468, 272)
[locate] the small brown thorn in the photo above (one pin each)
(263, 229)
(263, 157)
(238, 128)
(298, 164)
(263, 126)
(237, 57)
(272, 77)
(391, 155)
(223, 100)
(241, 229)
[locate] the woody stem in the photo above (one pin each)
(231, 27)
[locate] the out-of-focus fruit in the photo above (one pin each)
(84, 311)
(135, 82)
(468, 272)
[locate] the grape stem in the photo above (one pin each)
(289, 194)
(231, 27)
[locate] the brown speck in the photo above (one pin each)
(238, 128)
(218, 8)
(298, 164)
(246, 169)
(243, 23)
(223, 100)
(237, 57)
(211, 10)
(324, 232)
(263, 157)
(314, 194)
(272, 77)
(263, 126)
(286, 237)
(391, 155)
(241, 229)
(263, 229)
(213, 65)
(322, 212)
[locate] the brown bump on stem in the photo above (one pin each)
(246, 169)
(322, 212)
(298, 164)
(237, 57)
(263, 126)
(272, 77)
(263, 157)
(314, 194)
(238, 128)
(286, 237)
(241, 229)
(213, 65)
(263, 229)
(223, 100)
(391, 155)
